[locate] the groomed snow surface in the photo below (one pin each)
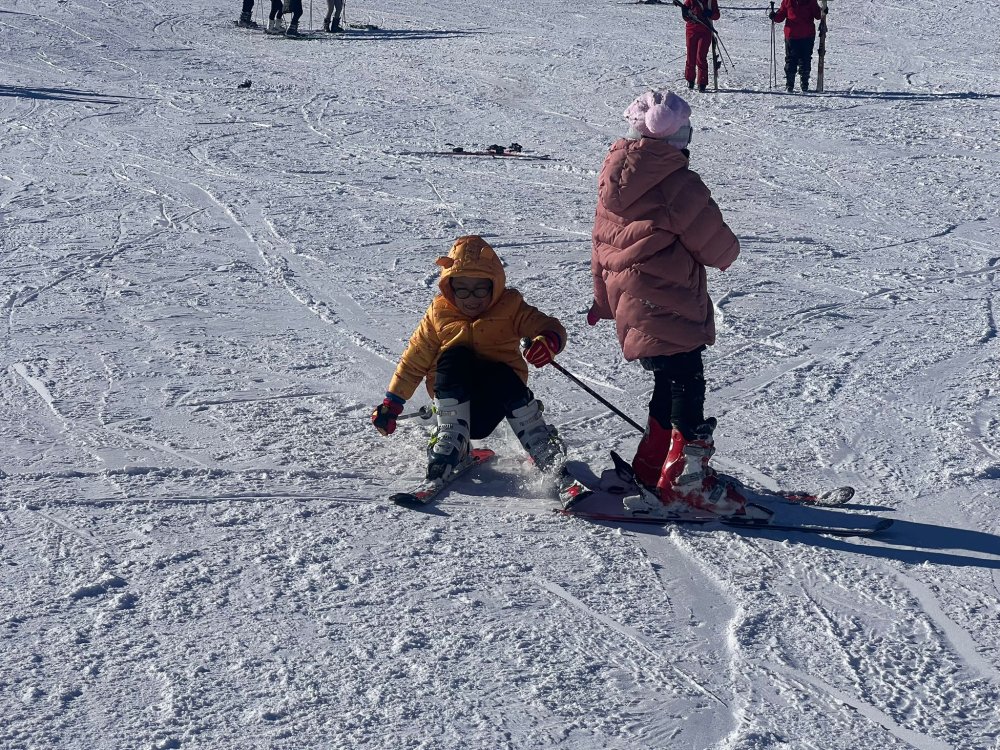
(204, 290)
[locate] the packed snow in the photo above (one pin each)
(204, 292)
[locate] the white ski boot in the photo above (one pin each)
(541, 441)
(449, 445)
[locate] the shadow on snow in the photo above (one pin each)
(71, 95)
(359, 35)
(905, 96)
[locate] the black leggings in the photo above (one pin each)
(678, 390)
(276, 9)
(493, 388)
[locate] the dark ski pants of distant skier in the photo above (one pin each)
(334, 11)
(493, 388)
(699, 42)
(798, 58)
(678, 390)
(295, 6)
(247, 8)
(276, 9)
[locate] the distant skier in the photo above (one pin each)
(275, 23)
(699, 15)
(334, 11)
(800, 37)
(656, 229)
(246, 21)
(467, 349)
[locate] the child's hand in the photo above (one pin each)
(543, 349)
(384, 415)
(593, 317)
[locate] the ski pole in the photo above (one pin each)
(424, 412)
(774, 65)
(716, 63)
(722, 46)
(526, 342)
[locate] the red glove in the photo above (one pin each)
(543, 349)
(593, 318)
(384, 415)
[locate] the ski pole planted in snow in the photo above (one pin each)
(774, 64)
(526, 342)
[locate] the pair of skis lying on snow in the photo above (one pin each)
(602, 499)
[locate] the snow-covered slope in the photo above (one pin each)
(204, 290)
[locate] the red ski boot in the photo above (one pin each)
(688, 480)
(651, 453)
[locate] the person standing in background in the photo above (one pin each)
(699, 15)
(275, 23)
(800, 37)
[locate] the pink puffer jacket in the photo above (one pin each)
(656, 229)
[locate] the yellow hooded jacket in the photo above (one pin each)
(495, 334)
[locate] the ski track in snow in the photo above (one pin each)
(204, 289)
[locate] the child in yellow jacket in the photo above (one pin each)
(467, 348)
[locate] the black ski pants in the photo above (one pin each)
(276, 9)
(295, 6)
(678, 390)
(493, 388)
(334, 10)
(247, 8)
(798, 58)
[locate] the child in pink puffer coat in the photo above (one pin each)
(655, 231)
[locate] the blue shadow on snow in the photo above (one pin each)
(70, 95)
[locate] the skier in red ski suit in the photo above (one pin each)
(800, 37)
(699, 15)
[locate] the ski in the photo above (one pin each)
(716, 62)
(822, 46)
(836, 496)
(428, 489)
(580, 510)
(513, 151)
(298, 36)
(604, 499)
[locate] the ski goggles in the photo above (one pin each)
(682, 138)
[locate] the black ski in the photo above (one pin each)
(513, 151)
(427, 490)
